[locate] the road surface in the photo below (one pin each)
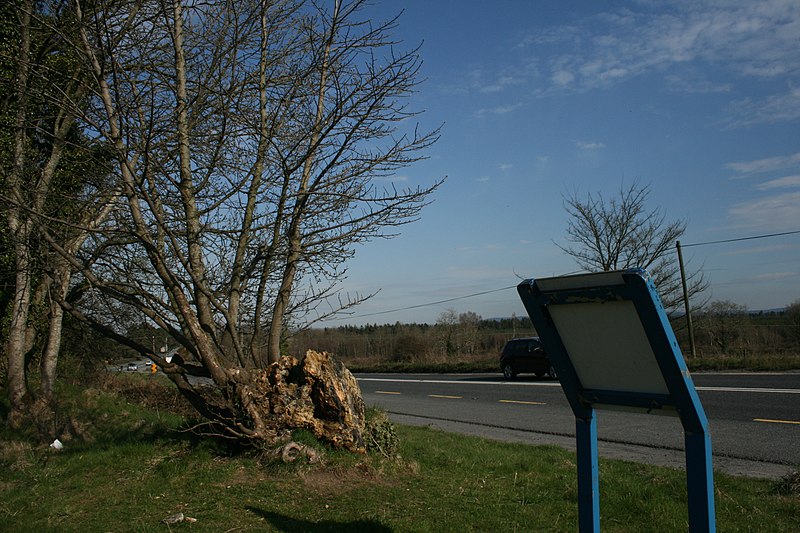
(754, 418)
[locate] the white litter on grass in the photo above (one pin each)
(57, 445)
(177, 518)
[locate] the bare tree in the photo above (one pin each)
(251, 141)
(793, 318)
(45, 185)
(726, 324)
(622, 232)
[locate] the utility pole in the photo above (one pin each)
(686, 301)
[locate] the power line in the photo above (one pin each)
(429, 304)
(741, 239)
(448, 300)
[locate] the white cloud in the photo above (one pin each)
(498, 110)
(771, 213)
(394, 178)
(505, 166)
(780, 183)
(589, 145)
(562, 77)
(775, 108)
(500, 84)
(695, 83)
(768, 164)
(776, 276)
(752, 39)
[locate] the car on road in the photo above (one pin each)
(133, 367)
(525, 355)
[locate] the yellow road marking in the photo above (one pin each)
(523, 403)
(443, 396)
(776, 421)
(385, 392)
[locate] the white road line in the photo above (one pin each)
(748, 389)
(557, 384)
(457, 382)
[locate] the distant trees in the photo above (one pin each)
(726, 325)
(619, 232)
(793, 313)
(455, 337)
(723, 328)
(458, 331)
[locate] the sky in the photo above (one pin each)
(699, 100)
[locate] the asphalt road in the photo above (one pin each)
(754, 418)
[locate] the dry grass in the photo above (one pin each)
(789, 484)
(18, 455)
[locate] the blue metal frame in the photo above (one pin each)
(635, 286)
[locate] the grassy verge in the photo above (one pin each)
(135, 467)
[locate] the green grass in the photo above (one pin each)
(138, 468)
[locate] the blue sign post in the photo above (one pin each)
(610, 341)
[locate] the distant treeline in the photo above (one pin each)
(721, 329)
(466, 336)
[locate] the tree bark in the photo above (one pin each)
(20, 230)
(294, 237)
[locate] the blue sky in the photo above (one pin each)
(698, 99)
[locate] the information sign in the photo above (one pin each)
(612, 346)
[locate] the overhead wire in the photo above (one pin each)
(428, 304)
(454, 299)
(741, 239)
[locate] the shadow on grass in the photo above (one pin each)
(292, 525)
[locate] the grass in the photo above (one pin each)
(138, 467)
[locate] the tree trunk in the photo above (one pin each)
(53, 347)
(281, 303)
(16, 344)
(20, 232)
(295, 240)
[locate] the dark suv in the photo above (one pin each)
(525, 355)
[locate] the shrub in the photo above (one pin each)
(380, 435)
(789, 484)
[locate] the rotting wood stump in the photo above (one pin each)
(318, 394)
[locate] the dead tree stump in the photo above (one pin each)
(318, 394)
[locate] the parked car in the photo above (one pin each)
(133, 367)
(525, 355)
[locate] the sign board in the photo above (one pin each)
(612, 346)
